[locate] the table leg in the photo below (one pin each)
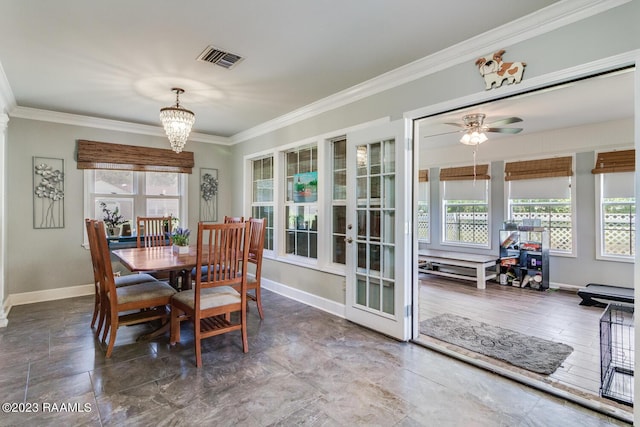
(186, 280)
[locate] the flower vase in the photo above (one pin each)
(180, 250)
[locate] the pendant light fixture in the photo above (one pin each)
(177, 122)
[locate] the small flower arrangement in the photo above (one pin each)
(180, 236)
(112, 218)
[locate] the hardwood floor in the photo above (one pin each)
(554, 315)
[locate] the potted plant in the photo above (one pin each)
(180, 240)
(112, 220)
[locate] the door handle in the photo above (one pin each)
(348, 239)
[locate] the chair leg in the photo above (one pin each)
(259, 303)
(101, 322)
(96, 308)
(243, 329)
(107, 327)
(196, 342)
(112, 335)
(175, 326)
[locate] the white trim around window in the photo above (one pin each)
(324, 261)
(613, 185)
(137, 197)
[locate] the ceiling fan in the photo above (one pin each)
(474, 128)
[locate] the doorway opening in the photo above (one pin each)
(575, 120)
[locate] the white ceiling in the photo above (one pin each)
(599, 99)
(118, 59)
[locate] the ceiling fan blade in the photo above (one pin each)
(504, 130)
(506, 121)
(460, 125)
(444, 133)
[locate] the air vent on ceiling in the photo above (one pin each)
(219, 57)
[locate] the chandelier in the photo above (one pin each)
(177, 122)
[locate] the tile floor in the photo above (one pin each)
(304, 366)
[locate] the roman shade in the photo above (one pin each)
(541, 168)
(103, 155)
(465, 173)
(423, 175)
(615, 161)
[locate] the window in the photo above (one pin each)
(339, 201)
(465, 205)
(262, 196)
(423, 217)
(301, 208)
(135, 193)
(616, 199)
(541, 191)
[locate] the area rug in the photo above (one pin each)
(531, 353)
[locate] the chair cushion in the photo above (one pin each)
(210, 297)
(133, 279)
(142, 291)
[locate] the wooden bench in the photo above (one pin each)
(470, 263)
(594, 293)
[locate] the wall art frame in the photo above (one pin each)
(48, 192)
(208, 195)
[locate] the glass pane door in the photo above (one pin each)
(376, 295)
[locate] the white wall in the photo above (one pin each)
(584, 141)
(42, 259)
(547, 55)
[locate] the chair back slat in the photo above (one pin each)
(256, 240)
(107, 280)
(153, 231)
(221, 251)
(93, 249)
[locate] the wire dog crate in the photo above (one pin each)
(617, 353)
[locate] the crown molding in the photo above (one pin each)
(545, 20)
(98, 123)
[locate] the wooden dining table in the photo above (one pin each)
(161, 259)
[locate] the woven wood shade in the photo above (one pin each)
(541, 168)
(423, 175)
(102, 155)
(615, 161)
(465, 173)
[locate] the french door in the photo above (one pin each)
(378, 223)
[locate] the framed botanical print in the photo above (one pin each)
(208, 195)
(48, 192)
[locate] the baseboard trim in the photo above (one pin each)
(47, 295)
(320, 303)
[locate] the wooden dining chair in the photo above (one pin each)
(222, 253)
(153, 231)
(257, 229)
(233, 219)
(127, 305)
(130, 279)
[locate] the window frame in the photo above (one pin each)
(443, 212)
(573, 204)
(253, 204)
(287, 204)
(600, 230)
(423, 191)
(138, 196)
